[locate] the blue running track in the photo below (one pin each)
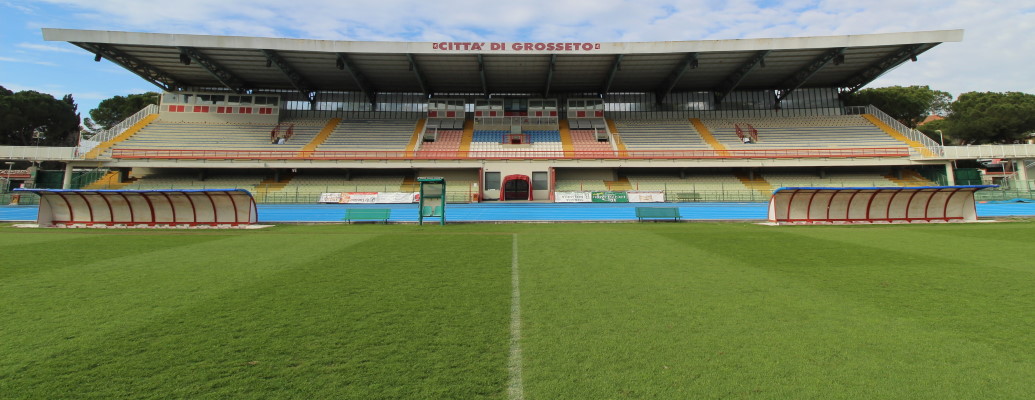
(530, 212)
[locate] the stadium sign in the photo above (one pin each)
(516, 46)
(369, 197)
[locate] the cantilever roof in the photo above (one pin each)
(173, 61)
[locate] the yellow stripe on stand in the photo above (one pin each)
(622, 151)
(465, 142)
(898, 135)
(321, 137)
(110, 180)
(759, 184)
(566, 142)
(101, 148)
(708, 137)
(416, 137)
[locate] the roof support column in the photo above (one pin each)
(549, 74)
(878, 68)
(689, 62)
(345, 63)
(799, 78)
(144, 70)
(421, 80)
(730, 83)
(481, 73)
(223, 75)
(297, 80)
(615, 67)
(66, 179)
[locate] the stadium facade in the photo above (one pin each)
(691, 120)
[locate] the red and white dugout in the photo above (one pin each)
(828, 205)
(189, 208)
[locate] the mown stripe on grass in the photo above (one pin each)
(47, 313)
(908, 273)
(38, 253)
(709, 311)
(972, 243)
(516, 387)
(395, 316)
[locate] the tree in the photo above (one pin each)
(113, 110)
(28, 118)
(938, 130)
(992, 117)
(909, 105)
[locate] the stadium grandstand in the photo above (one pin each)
(716, 120)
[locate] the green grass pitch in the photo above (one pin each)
(652, 310)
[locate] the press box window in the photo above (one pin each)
(492, 180)
(540, 181)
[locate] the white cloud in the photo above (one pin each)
(19, 7)
(45, 47)
(19, 60)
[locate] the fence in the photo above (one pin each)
(23, 198)
(506, 155)
(910, 133)
(681, 196)
(37, 153)
(85, 145)
(988, 151)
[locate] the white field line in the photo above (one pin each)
(515, 387)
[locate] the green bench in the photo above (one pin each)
(382, 214)
(688, 196)
(657, 213)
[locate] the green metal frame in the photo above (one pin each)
(434, 211)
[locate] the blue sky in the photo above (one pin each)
(997, 53)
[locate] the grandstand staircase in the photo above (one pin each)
(622, 151)
(272, 185)
(899, 136)
(321, 137)
(269, 185)
(620, 185)
(707, 136)
(566, 142)
(418, 131)
(758, 184)
(465, 141)
(910, 178)
(409, 185)
(110, 180)
(128, 133)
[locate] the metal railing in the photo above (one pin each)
(988, 151)
(85, 145)
(857, 152)
(908, 132)
(21, 199)
(37, 153)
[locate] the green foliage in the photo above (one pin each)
(991, 117)
(909, 105)
(28, 118)
(654, 310)
(113, 110)
(931, 130)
